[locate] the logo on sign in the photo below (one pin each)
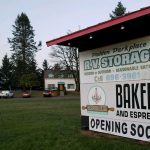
(96, 96)
(97, 99)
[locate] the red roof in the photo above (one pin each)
(100, 26)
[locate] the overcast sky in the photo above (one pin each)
(53, 18)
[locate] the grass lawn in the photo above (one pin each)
(46, 124)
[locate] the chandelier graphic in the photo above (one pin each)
(96, 98)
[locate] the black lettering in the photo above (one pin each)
(108, 126)
(124, 128)
(126, 96)
(117, 114)
(133, 131)
(122, 113)
(118, 95)
(92, 123)
(139, 114)
(97, 123)
(140, 133)
(134, 96)
(142, 95)
(148, 132)
(131, 114)
(148, 92)
(135, 115)
(102, 124)
(117, 127)
(148, 115)
(112, 126)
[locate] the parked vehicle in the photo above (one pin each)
(6, 94)
(26, 94)
(47, 93)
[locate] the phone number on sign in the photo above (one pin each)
(118, 77)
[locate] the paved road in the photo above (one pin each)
(52, 98)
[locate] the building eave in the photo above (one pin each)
(77, 37)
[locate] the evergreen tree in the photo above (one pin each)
(6, 73)
(0, 79)
(40, 77)
(120, 10)
(45, 65)
(23, 46)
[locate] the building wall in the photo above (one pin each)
(55, 81)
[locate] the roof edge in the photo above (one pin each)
(100, 26)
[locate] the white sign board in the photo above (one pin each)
(115, 88)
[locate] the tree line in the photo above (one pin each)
(20, 69)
